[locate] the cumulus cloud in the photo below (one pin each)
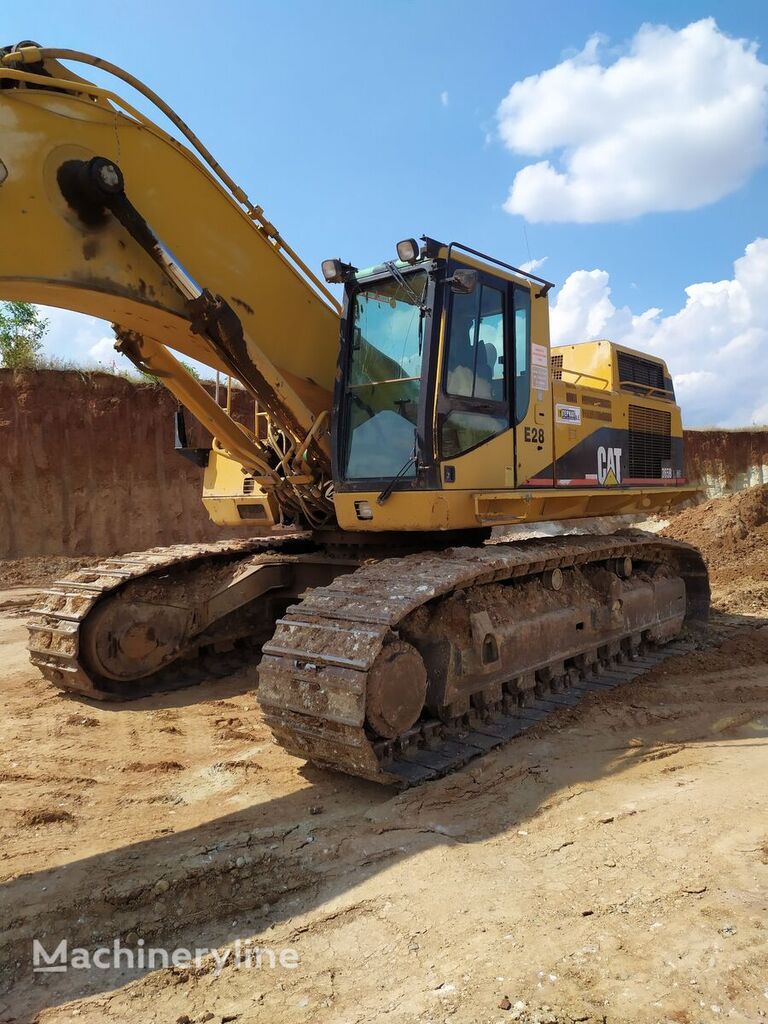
(716, 345)
(444, 98)
(675, 123)
(531, 266)
(103, 354)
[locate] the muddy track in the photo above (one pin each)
(57, 620)
(318, 673)
(315, 673)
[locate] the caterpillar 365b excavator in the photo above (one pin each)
(398, 640)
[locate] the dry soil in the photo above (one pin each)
(611, 866)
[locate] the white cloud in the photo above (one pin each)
(103, 354)
(80, 339)
(89, 343)
(679, 121)
(531, 266)
(716, 345)
(444, 98)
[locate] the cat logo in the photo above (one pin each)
(609, 467)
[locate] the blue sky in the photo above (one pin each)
(357, 124)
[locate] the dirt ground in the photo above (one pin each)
(610, 866)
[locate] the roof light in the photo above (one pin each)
(408, 250)
(336, 272)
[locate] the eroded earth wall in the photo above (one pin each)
(726, 461)
(87, 466)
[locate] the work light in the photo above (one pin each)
(336, 272)
(408, 250)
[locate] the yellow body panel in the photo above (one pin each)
(225, 499)
(466, 510)
(533, 436)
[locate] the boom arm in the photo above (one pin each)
(106, 214)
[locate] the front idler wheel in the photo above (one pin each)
(397, 689)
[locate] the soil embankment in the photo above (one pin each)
(725, 461)
(87, 467)
(732, 534)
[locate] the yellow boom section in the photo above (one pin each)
(211, 240)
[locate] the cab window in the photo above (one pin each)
(475, 373)
(522, 328)
(382, 394)
(476, 345)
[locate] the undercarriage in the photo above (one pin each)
(397, 669)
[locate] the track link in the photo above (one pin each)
(57, 620)
(314, 671)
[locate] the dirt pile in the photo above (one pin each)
(34, 572)
(732, 534)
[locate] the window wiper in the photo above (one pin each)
(403, 282)
(391, 485)
(422, 306)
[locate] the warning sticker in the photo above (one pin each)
(540, 377)
(539, 355)
(570, 414)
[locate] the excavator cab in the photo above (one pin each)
(435, 363)
(451, 411)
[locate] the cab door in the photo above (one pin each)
(473, 408)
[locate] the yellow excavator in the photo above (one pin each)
(398, 637)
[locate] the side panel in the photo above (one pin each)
(606, 439)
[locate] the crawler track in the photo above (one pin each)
(57, 621)
(315, 672)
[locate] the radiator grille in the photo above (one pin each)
(557, 367)
(643, 372)
(650, 443)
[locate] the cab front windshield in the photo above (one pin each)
(384, 378)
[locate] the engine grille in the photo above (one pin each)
(645, 373)
(650, 443)
(556, 362)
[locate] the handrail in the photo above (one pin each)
(582, 373)
(545, 285)
(647, 388)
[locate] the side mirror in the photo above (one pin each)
(463, 282)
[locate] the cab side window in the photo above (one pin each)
(476, 345)
(522, 329)
(475, 374)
